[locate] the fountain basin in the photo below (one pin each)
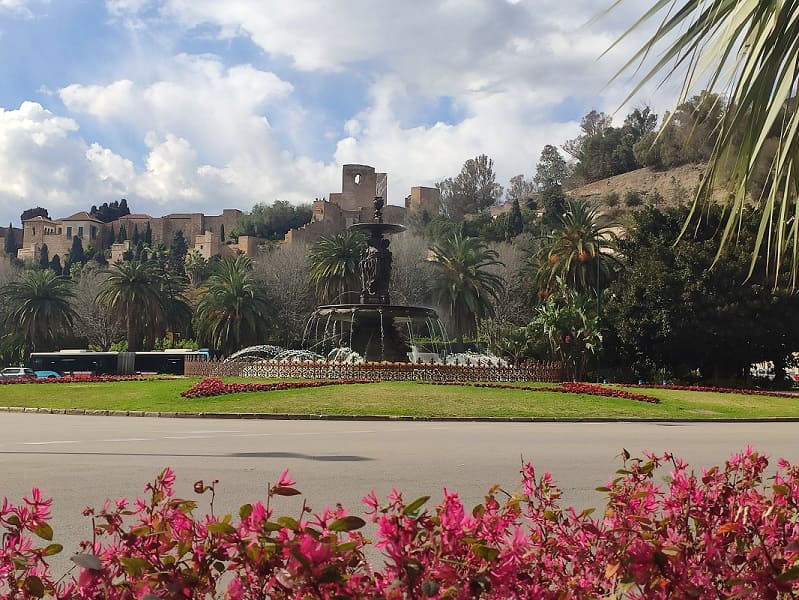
(383, 332)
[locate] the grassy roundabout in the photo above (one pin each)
(397, 399)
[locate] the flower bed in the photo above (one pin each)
(726, 533)
(77, 379)
(567, 387)
(213, 386)
(719, 390)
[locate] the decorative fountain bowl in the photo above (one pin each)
(378, 332)
(374, 328)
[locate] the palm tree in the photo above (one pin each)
(462, 282)
(334, 266)
(234, 312)
(749, 48)
(579, 250)
(38, 307)
(134, 291)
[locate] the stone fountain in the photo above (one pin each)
(375, 329)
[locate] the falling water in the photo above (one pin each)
(382, 337)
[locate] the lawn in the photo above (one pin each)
(395, 399)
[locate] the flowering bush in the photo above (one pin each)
(567, 387)
(718, 390)
(77, 379)
(213, 386)
(726, 532)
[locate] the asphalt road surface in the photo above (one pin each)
(83, 460)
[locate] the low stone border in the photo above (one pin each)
(313, 417)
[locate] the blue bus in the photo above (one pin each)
(70, 362)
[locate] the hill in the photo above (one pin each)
(621, 193)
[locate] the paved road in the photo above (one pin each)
(84, 460)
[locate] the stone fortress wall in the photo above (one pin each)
(353, 204)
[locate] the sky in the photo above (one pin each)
(200, 105)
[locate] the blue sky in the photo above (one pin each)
(198, 105)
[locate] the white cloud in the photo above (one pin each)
(199, 132)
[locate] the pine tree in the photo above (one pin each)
(222, 233)
(515, 222)
(11, 242)
(55, 265)
(123, 234)
(76, 254)
(44, 257)
(148, 235)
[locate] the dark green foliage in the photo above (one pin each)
(55, 265)
(688, 136)
(123, 233)
(515, 223)
(671, 312)
(334, 266)
(30, 213)
(110, 212)
(10, 241)
(632, 199)
(148, 235)
(44, 257)
(76, 253)
(235, 311)
(272, 222)
(40, 313)
(463, 283)
(551, 170)
(177, 254)
(222, 233)
(612, 200)
(473, 190)
(603, 150)
(145, 299)
(136, 237)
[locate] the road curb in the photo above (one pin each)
(316, 417)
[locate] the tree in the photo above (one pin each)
(670, 313)
(335, 266)
(76, 254)
(148, 234)
(568, 321)
(44, 257)
(472, 191)
(39, 309)
(282, 271)
(515, 223)
(551, 170)
(747, 48)
(462, 282)
(10, 242)
(579, 250)
(196, 266)
(234, 312)
(272, 222)
(222, 233)
(94, 321)
(177, 253)
(31, 213)
(521, 189)
(133, 291)
(123, 233)
(55, 265)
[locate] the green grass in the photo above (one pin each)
(397, 399)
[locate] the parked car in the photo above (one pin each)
(17, 373)
(47, 374)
